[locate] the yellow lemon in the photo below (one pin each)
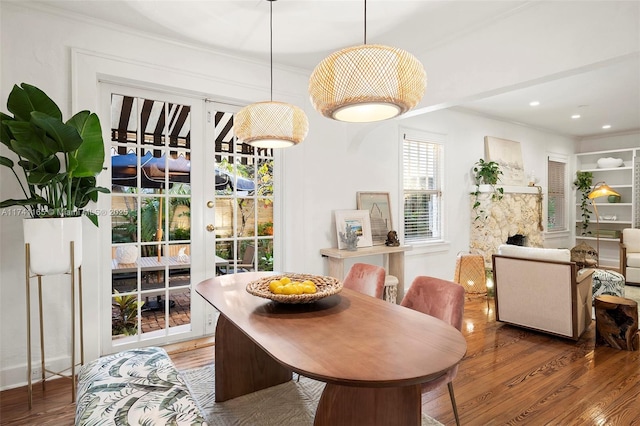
(277, 290)
(273, 285)
(288, 289)
(309, 288)
(285, 280)
(298, 288)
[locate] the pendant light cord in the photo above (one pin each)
(365, 21)
(271, 43)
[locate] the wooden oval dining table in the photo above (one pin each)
(372, 355)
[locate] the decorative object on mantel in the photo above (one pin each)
(614, 199)
(600, 189)
(392, 239)
(508, 155)
(486, 173)
(366, 83)
(609, 162)
(583, 183)
(271, 124)
(350, 238)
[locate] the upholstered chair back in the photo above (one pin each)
(367, 279)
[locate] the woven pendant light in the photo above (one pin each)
(367, 83)
(271, 124)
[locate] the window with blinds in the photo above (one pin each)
(422, 189)
(556, 196)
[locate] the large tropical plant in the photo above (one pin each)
(57, 161)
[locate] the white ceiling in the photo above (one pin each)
(305, 31)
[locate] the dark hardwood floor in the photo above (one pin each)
(509, 376)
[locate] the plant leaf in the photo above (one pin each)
(25, 99)
(4, 161)
(28, 141)
(67, 137)
(90, 155)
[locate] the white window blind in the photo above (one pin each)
(422, 187)
(556, 196)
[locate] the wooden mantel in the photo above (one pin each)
(509, 189)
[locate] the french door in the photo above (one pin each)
(188, 202)
(158, 253)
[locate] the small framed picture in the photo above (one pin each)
(379, 207)
(359, 222)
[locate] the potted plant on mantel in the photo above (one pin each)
(59, 162)
(486, 173)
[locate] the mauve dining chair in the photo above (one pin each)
(365, 278)
(444, 300)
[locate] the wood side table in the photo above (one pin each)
(617, 322)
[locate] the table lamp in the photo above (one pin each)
(600, 189)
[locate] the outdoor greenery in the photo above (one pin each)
(486, 173)
(125, 320)
(58, 161)
(583, 183)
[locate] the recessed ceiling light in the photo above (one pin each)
(606, 126)
(534, 103)
(575, 116)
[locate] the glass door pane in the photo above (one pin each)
(151, 222)
(243, 200)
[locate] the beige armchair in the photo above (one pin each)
(541, 289)
(630, 255)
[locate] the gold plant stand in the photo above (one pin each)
(72, 374)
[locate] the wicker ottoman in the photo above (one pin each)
(607, 282)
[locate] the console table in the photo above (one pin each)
(393, 260)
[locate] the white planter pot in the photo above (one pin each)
(127, 254)
(49, 244)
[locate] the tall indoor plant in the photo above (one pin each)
(583, 183)
(57, 161)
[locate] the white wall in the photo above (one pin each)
(321, 175)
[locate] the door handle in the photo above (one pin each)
(210, 204)
(210, 228)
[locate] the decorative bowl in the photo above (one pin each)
(325, 286)
(614, 198)
(609, 162)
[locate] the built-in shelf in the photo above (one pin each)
(624, 180)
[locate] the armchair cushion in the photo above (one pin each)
(558, 255)
(633, 260)
(631, 238)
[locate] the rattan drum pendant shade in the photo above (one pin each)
(365, 83)
(271, 124)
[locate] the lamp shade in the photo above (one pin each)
(271, 125)
(601, 189)
(366, 83)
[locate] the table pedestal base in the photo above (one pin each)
(350, 405)
(242, 366)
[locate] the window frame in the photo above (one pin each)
(565, 219)
(438, 140)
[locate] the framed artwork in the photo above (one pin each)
(379, 207)
(359, 222)
(508, 155)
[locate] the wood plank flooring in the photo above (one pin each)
(509, 376)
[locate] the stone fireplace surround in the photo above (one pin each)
(518, 212)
